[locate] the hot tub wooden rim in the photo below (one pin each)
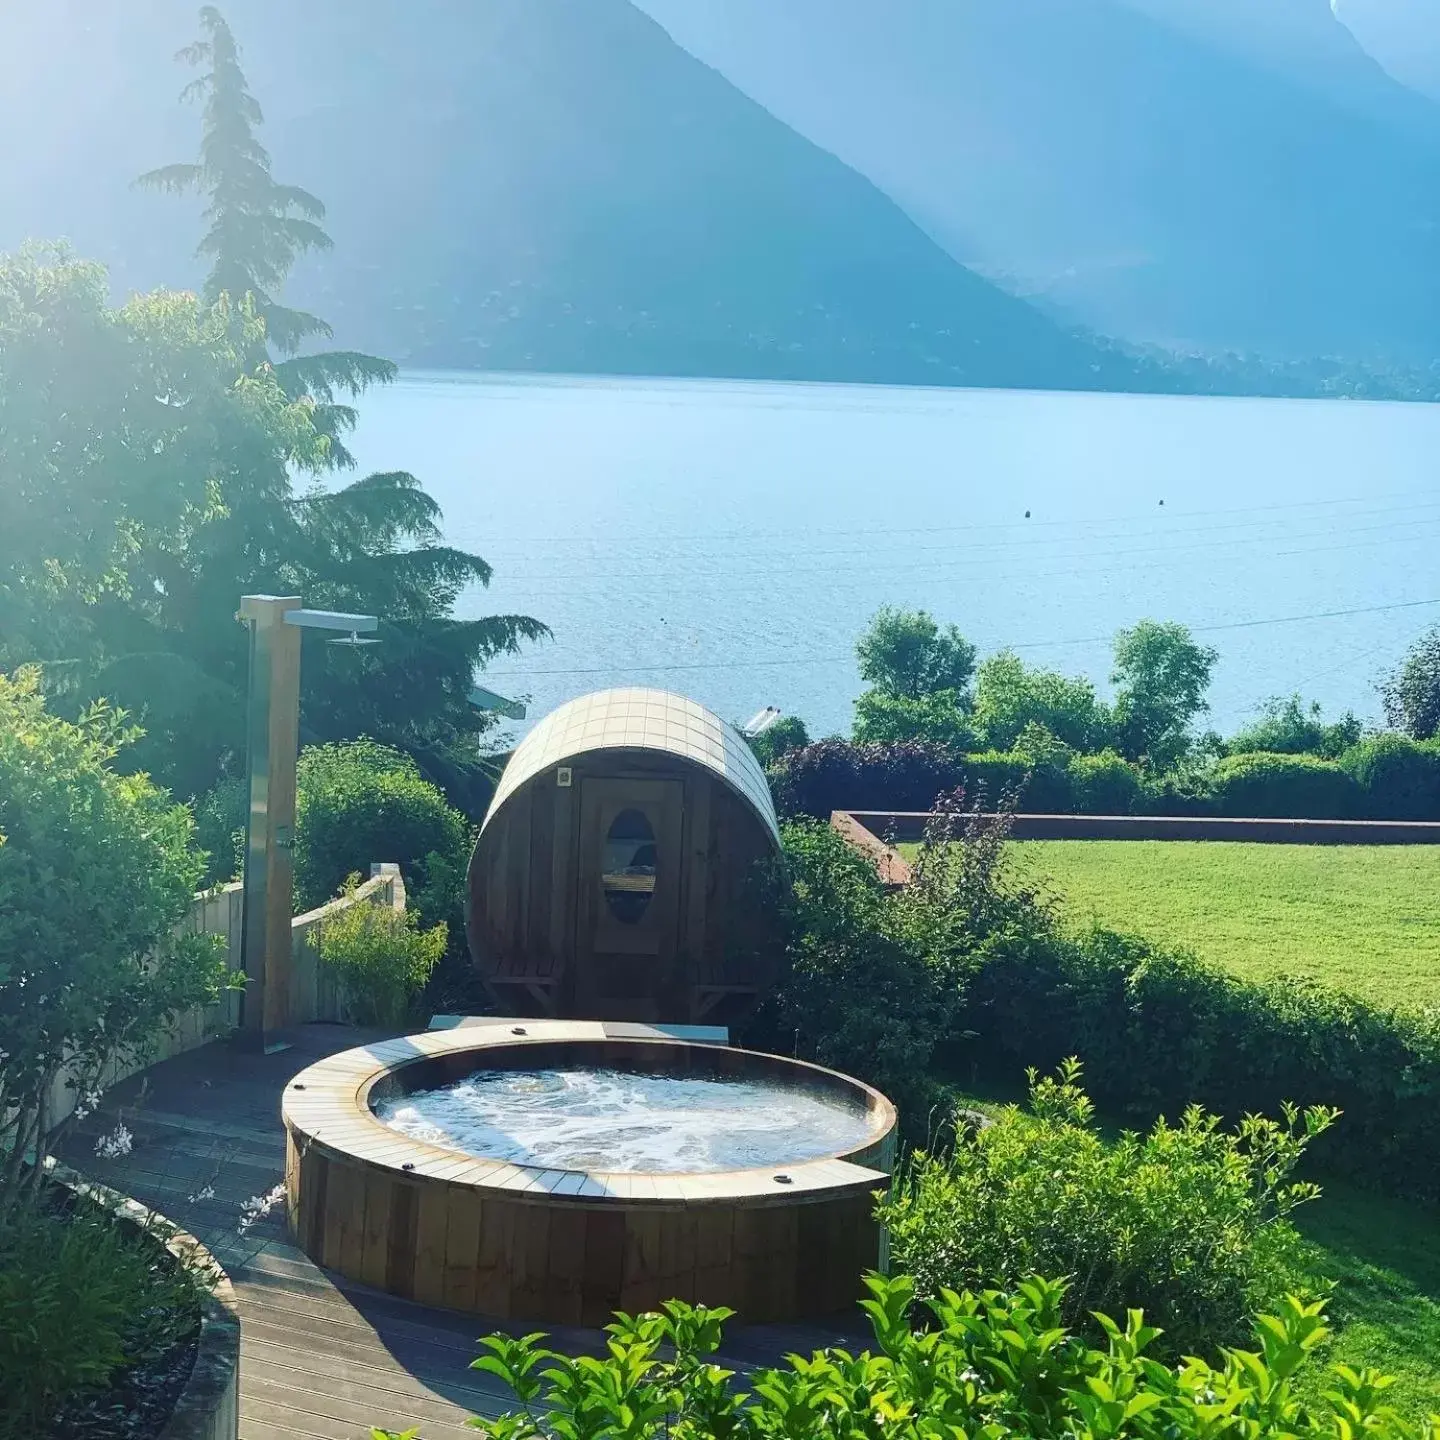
(333, 1095)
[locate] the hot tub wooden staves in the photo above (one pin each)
(519, 1242)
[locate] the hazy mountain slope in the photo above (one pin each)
(1403, 35)
(534, 183)
(1155, 186)
(1304, 42)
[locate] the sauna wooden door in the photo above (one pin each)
(627, 914)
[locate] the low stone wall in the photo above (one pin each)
(208, 1408)
(864, 830)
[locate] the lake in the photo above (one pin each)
(730, 540)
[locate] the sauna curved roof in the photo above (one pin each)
(640, 720)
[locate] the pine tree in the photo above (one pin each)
(374, 545)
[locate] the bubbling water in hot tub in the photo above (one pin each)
(613, 1120)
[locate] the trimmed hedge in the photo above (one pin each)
(906, 775)
(1400, 777)
(1285, 787)
(1384, 778)
(1157, 1031)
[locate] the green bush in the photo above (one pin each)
(991, 775)
(220, 830)
(359, 803)
(1285, 727)
(82, 1297)
(1103, 784)
(1157, 1030)
(97, 875)
(382, 959)
(938, 718)
(991, 1365)
(1300, 787)
(1400, 777)
(1187, 1222)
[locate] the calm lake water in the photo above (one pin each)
(730, 540)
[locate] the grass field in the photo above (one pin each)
(1363, 917)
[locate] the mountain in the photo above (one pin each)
(1402, 35)
(1163, 170)
(534, 184)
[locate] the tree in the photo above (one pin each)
(1009, 696)
(940, 717)
(1285, 726)
(786, 734)
(905, 653)
(1411, 693)
(258, 228)
(97, 870)
(1162, 676)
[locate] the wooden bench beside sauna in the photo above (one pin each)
(609, 897)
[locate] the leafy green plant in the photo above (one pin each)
(1288, 786)
(1009, 695)
(1400, 776)
(1188, 1222)
(985, 1364)
(1285, 726)
(82, 1296)
(786, 734)
(97, 871)
(1104, 784)
(359, 802)
(937, 718)
(382, 958)
(1411, 692)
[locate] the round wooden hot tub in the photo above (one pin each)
(571, 1246)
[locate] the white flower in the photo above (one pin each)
(118, 1142)
(206, 1192)
(257, 1207)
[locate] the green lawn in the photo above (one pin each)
(1362, 917)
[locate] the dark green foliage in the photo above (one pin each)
(258, 227)
(1158, 1031)
(990, 1364)
(906, 653)
(1009, 696)
(1294, 786)
(1104, 784)
(220, 816)
(97, 875)
(1187, 1222)
(841, 775)
(1286, 727)
(1161, 676)
(940, 718)
(1400, 778)
(786, 734)
(874, 979)
(82, 1296)
(360, 803)
(1412, 691)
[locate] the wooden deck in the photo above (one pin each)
(322, 1358)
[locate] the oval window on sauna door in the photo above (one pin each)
(629, 865)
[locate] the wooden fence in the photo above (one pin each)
(314, 991)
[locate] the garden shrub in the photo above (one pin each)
(1187, 1222)
(1300, 787)
(1103, 784)
(82, 1296)
(1285, 726)
(1400, 777)
(360, 802)
(97, 873)
(873, 981)
(1157, 1030)
(907, 776)
(220, 829)
(993, 1365)
(382, 959)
